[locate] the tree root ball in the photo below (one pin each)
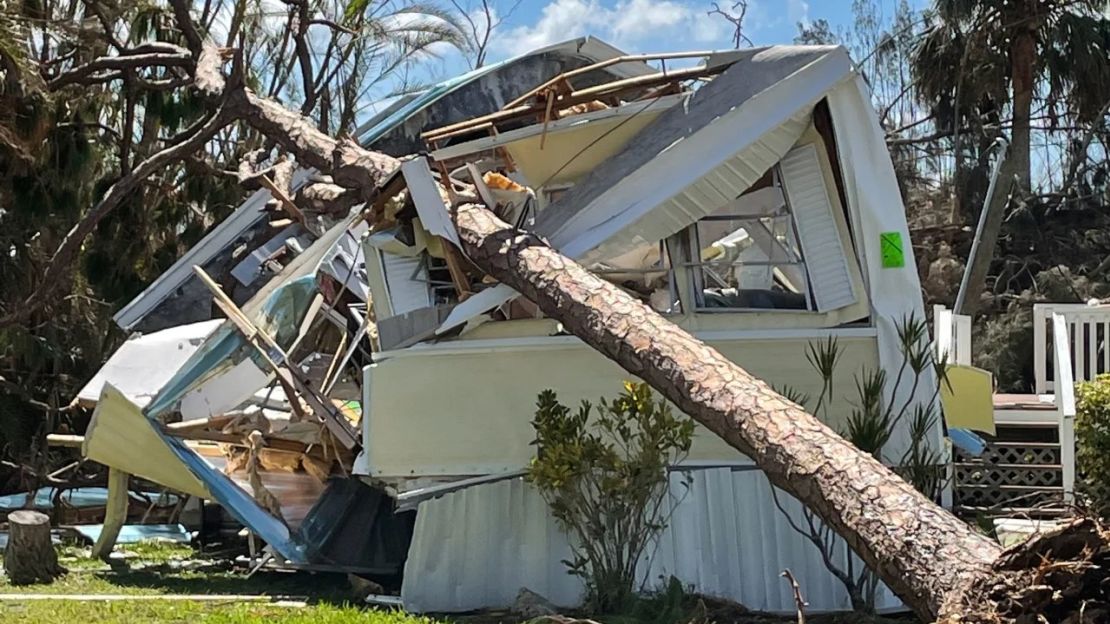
(1061, 576)
(30, 557)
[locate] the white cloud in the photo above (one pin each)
(638, 19)
(560, 20)
(634, 25)
(797, 11)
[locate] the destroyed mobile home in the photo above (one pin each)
(358, 395)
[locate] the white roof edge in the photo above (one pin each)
(245, 216)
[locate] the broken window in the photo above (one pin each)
(779, 246)
(747, 255)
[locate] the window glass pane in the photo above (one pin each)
(748, 256)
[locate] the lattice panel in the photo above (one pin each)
(1039, 454)
(1009, 477)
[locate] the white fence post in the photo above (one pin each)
(1065, 401)
(951, 336)
(961, 327)
(1040, 345)
(942, 333)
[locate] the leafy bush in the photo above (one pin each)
(603, 473)
(1092, 441)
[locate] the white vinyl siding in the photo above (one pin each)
(818, 234)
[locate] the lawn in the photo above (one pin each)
(158, 569)
(279, 597)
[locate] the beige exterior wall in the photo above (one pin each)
(464, 407)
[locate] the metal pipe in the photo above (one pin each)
(1001, 144)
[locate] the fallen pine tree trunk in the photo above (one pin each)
(938, 565)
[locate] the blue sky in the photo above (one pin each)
(646, 25)
(643, 26)
(661, 25)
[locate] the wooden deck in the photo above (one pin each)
(1024, 402)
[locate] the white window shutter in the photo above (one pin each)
(818, 234)
(402, 279)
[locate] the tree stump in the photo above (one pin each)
(30, 557)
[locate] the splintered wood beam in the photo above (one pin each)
(628, 58)
(280, 195)
(65, 440)
(451, 255)
(264, 344)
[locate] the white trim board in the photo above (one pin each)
(244, 217)
(532, 343)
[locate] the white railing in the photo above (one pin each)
(1065, 396)
(1088, 331)
(1077, 339)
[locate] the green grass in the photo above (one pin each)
(192, 612)
(155, 569)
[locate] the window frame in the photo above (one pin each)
(695, 268)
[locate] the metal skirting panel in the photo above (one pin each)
(475, 548)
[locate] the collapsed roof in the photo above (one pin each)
(177, 297)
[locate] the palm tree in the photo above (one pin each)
(981, 57)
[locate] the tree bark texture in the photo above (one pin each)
(30, 557)
(1023, 56)
(934, 562)
(1023, 59)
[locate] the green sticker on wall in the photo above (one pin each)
(893, 256)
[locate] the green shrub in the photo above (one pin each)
(603, 473)
(1092, 441)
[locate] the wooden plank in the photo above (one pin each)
(65, 440)
(285, 200)
(263, 343)
(214, 422)
(617, 87)
(115, 513)
(628, 58)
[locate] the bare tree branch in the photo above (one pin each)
(736, 19)
(93, 71)
(56, 274)
(185, 23)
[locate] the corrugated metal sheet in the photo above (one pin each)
(121, 437)
(475, 548)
